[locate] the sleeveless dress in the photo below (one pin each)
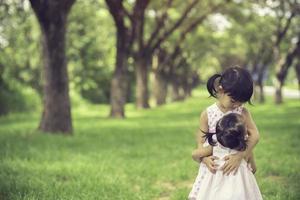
(209, 186)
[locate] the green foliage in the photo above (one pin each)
(91, 51)
(18, 98)
(90, 48)
(19, 45)
(146, 156)
(91, 42)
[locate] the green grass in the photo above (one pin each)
(146, 156)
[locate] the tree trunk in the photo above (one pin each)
(119, 82)
(261, 93)
(262, 71)
(118, 94)
(283, 70)
(52, 16)
(187, 91)
(125, 37)
(57, 111)
(142, 91)
(160, 88)
(297, 68)
(187, 87)
(3, 90)
(175, 90)
(278, 93)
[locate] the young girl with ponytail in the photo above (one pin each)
(232, 89)
(228, 138)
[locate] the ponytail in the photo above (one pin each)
(211, 85)
(208, 136)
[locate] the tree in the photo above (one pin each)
(164, 27)
(283, 69)
(266, 48)
(297, 69)
(293, 9)
(125, 34)
(52, 17)
(90, 50)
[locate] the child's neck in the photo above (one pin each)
(222, 108)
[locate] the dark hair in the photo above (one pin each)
(230, 132)
(235, 81)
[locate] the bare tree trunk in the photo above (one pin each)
(261, 92)
(52, 16)
(262, 71)
(3, 108)
(278, 92)
(160, 88)
(118, 93)
(57, 110)
(142, 91)
(175, 89)
(297, 68)
(119, 82)
(187, 89)
(283, 70)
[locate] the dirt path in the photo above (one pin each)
(287, 93)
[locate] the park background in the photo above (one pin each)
(101, 99)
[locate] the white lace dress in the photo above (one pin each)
(209, 186)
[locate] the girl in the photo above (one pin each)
(232, 88)
(227, 139)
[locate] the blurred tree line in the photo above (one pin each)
(119, 51)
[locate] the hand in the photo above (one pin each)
(248, 158)
(209, 162)
(252, 168)
(232, 163)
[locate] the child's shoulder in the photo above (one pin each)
(204, 113)
(246, 113)
(211, 109)
(203, 116)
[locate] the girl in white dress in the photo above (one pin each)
(229, 137)
(232, 88)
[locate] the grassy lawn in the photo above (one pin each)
(146, 156)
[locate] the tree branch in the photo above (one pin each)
(281, 74)
(160, 23)
(281, 33)
(168, 32)
(138, 16)
(190, 28)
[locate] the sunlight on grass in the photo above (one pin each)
(145, 156)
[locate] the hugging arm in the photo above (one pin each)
(251, 163)
(252, 133)
(202, 153)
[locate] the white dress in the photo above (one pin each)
(209, 186)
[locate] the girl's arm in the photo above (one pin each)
(201, 151)
(233, 161)
(204, 153)
(252, 163)
(253, 135)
